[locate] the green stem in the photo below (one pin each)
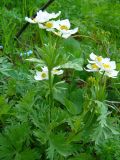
(102, 84)
(102, 76)
(51, 102)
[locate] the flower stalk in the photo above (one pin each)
(51, 100)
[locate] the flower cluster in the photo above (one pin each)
(59, 27)
(102, 65)
(43, 75)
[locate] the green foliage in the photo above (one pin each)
(25, 106)
(74, 64)
(83, 156)
(4, 109)
(74, 116)
(5, 66)
(13, 143)
(109, 150)
(59, 144)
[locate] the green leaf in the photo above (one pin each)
(13, 140)
(50, 152)
(74, 64)
(72, 46)
(59, 144)
(83, 156)
(71, 107)
(40, 119)
(41, 136)
(103, 113)
(60, 92)
(103, 130)
(36, 61)
(4, 107)
(29, 154)
(75, 101)
(25, 105)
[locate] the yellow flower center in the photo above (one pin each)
(63, 27)
(94, 66)
(49, 24)
(55, 70)
(43, 75)
(99, 58)
(106, 66)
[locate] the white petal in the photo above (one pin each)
(113, 64)
(73, 31)
(90, 70)
(41, 26)
(60, 23)
(53, 15)
(108, 66)
(60, 72)
(112, 74)
(89, 66)
(106, 60)
(65, 22)
(43, 16)
(58, 67)
(68, 33)
(45, 69)
(57, 72)
(30, 20)
(92, 56)
(38, 76)
(91, 61)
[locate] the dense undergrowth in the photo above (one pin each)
(82, 122)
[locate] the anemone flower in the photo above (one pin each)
(57, 71)
(42, 17)
(43, 75)
(63, 28)
(92, 67)
(102, 65)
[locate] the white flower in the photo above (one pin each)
(92, 67)
(99, 60)
(63, 28)
(56, 71)
(49, 26)
(95, 59)
(112, 74)
(66, 34)
(108, 66)
(63, 25)
(103, 65)
(43, 75)
(42, 17)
